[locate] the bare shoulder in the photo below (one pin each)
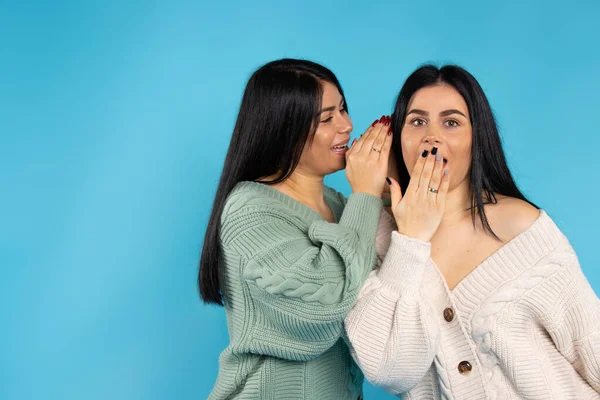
(510, 216)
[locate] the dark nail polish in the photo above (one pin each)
(388, 180)
(390, 132)
(434, 151)
(425, 153)
(374, 123)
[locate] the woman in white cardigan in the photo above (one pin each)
(479, 295)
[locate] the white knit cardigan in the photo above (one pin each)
(525, 324)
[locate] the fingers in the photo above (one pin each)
(425, 179)
(386, 149)
(370, 139)
(383, 141)
(395, 191)
(358, 143)
(437, 174)
(413, 185)
(444, 186)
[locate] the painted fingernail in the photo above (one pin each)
(390, 132)
(434, 151)
(388, 180)
(375, 122)
(425, 153)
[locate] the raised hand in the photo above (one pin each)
(367, 158)
(419, 212)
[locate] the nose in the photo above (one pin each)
(345, 125)
(432, 138)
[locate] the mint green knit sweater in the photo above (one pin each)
(288, 280)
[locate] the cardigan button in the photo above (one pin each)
(449, 314)
(464, 367)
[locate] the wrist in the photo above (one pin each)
(414, 235)
(371, 191)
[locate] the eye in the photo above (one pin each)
(326, 120)
(418, 122)
(452, 123)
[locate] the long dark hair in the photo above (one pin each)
(489, 171)
(279, 113)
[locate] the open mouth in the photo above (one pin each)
(340, 148)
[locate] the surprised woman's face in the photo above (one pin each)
(438, 116)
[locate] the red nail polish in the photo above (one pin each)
(374, 123)
(390, 132)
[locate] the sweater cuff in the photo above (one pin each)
(361, 215)
(404, 265)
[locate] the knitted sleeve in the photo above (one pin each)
(302, 282)
(391, 328)
(384, 235)
(573, 320)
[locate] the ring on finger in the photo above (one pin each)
(376, 150)
(432, 190)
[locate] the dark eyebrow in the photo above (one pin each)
(417, 111)
(443, 113)
(330, 108)
(450, 112)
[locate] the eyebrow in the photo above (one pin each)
(443, 113)
(417, 111)
(330, 108)
(450, 112)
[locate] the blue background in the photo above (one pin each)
(114, 122)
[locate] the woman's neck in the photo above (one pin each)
(458, 204)
(303, 188)
(308, 190)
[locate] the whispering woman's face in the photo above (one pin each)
(327, 151)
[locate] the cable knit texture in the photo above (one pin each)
(289, 279)
(526, 320)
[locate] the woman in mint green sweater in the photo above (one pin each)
(283, 253)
